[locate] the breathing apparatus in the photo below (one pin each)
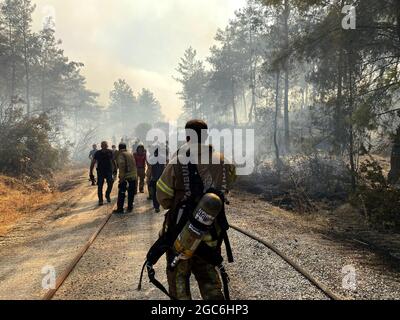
(197, 227)
(193, 223)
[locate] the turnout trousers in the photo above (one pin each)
(124, 186)
(206, 276)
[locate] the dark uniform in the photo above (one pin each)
(105, 169)
(170, 192)
(154, 172)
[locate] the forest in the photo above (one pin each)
(317, 79)
(48, 115)
(319, 82)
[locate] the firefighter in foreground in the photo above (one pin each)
(106, 167)
(195, 225)
(127, 179)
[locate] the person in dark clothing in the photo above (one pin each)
(157, 166)
(105, 169)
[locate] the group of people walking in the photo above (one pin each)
(191, 193)
(131, 169)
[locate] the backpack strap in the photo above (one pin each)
(194, 187)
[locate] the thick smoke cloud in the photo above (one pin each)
(140, 41)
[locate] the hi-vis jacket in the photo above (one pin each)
(126, 165)
(170, 187)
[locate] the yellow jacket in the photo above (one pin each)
(170, 187)
(126, 165)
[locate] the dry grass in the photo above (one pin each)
(18, 199)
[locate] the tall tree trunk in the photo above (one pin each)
(277, 155)
(13, 66)
(27, 78)
(253, 96)
(244, 103)
(338, 118)
(42, 87)
(306, 102)
(398, 18)
(351, 129)
(252, 76)
(26, 61)
(235, 118)
(286, 70)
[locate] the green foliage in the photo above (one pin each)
(127, 110)
(122, 104)
(25, 147)
(193, 79)
(364, 117)
(376, 198)
(148, 106)
(37, 77)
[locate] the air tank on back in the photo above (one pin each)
(210, 205)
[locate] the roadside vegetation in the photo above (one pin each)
(319, 83)
(19, 198)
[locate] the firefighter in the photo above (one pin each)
(217, 175)
(155, 169)
(106, 167)
(127, 179)
(140, 159)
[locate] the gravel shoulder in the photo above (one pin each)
(49, 237)
(111, 267)
(304, 238)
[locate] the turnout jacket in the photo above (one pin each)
(126, 165)
(170, 186)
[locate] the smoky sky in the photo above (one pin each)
(137, 40)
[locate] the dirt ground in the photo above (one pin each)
(327, 245)
(18, 199)
(48, 236)
(110, 269)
